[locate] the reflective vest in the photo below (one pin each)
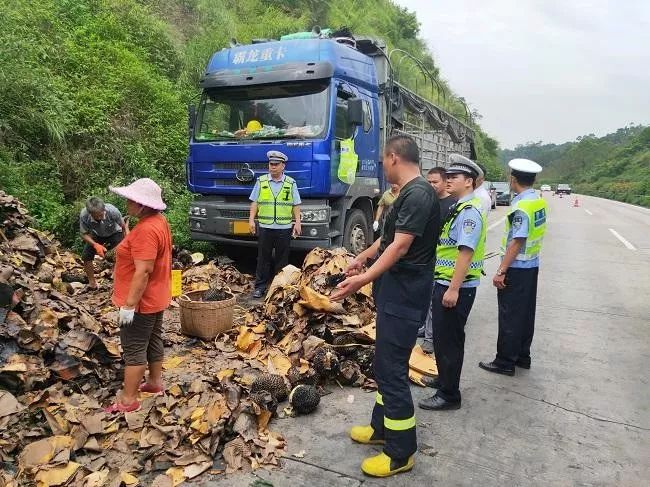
(447, 250)
(535, 210)
(275, 209)
(348, 162)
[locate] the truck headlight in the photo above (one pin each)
(196, 211)
(315, 215)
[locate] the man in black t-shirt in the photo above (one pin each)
(437, 178)
(402, 276)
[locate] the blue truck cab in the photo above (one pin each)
(301, 97)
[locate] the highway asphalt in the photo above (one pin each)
(579, 417)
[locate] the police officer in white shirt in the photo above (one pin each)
(482, 193)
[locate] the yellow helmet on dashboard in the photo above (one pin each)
(253, 126)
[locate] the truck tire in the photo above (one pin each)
(356, 236)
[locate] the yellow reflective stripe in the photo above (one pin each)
(399, 424)
(379, 400)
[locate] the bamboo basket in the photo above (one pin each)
(205, 319)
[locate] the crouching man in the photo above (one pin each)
(102, 228)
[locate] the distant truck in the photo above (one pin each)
(563, 189)
(308, 95)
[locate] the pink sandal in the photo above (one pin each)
(146, 387)
(118, 407)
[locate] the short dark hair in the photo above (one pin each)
(94, 204)
(438, 170)
(523, 178)
(405, 147)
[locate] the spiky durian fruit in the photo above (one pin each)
(74, 277)
(365, 357)
(326, 362)
(215, 294)
(349, 372)
(295, 377)
(272, 383)
(304, 398)
(185, 257)
(265, 400)
(110, 255)
(341, 340)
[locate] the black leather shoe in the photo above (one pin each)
(524, 364)
(497, 369)
(437, 403)
(258, 293)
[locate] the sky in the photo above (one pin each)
(543, 69)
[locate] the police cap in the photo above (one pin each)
(524, 166)
(462, 165)
(275, 156)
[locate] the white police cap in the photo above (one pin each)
(461, 164)
(277, 156)
(525, 165)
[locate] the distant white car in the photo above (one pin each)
(545, 187)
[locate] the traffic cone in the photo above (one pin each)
(576, 203)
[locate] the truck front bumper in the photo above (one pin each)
(296, 244)
(221, 221)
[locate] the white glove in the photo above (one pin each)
(126, 316)
(375, 226)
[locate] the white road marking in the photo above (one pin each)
(622, 239)
(497, 223)
(588, 212)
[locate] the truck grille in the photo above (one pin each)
(236, 214)
(231, 182)
(260, 166)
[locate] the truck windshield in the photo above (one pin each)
(283, 111)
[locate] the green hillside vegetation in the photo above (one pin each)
(616, 166)
(95, 92)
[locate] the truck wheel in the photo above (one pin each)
(356, 236)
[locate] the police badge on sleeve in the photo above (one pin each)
(468, 226)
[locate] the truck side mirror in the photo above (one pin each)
(355, 111)
(191, 117)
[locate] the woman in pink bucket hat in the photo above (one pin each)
(142, 291)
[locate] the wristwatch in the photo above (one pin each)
(500, 272)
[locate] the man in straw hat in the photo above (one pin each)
(142, 290)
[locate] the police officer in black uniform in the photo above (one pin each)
(401, 277)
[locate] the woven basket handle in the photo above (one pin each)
(184, 297)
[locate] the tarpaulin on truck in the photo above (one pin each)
(405, 102)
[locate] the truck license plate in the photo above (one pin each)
(240, 227)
